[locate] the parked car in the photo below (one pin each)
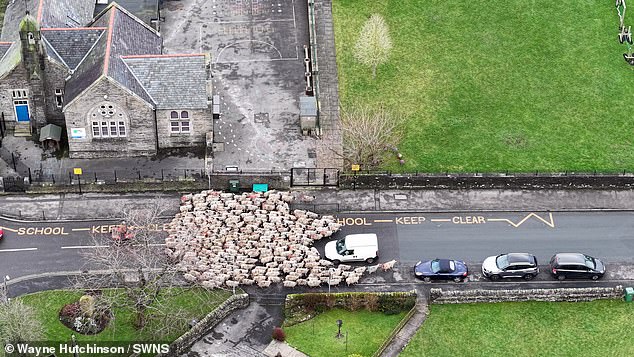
(353, 247)
(510, 265)
(576, 265)
(1, 233)
(441, 269)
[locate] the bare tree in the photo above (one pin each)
(367, 134)
(132, 260)
(19, 323)
(374, 44)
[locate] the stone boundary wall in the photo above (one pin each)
(184, 342)
(487, 181)
(276, 181)
(439, 296)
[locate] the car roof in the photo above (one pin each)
(570, 258)
(515, 258)
(445, 265)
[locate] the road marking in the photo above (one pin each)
(441, 220)
(156, 244)
(17, 250)
(350, 221)
(85, 246)
(80, 229)
(383, 220)
(410, 220)
(34, 231)
(10, 229)
(550, 222)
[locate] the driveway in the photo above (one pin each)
(256, 49)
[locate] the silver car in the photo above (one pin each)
(510, 265)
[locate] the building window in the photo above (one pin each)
(180, 122)
(19, 94)
(59, 97)
(108, 121)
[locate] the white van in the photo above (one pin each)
(354, 247)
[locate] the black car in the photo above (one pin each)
(576, 265)
(441, 269)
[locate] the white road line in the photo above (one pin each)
(156, 244)
(17, 250)
(84, 246)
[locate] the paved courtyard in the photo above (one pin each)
(256, 49)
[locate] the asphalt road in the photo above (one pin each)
(31, 248)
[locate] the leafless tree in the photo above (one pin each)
(367, 134)
(374, 44)
(19, 323)
(137, 266)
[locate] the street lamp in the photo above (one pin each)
(339, 323)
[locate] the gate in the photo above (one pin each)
(314, 177)
(14, 184)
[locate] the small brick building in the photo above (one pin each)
(105, 80)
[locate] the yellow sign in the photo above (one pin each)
(77, 170)
(356, 167)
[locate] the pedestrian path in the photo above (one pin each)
(408, 331)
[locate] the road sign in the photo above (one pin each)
(356, 167)
(77, 170)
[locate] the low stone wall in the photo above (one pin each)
(438, 296)
(276, 180)
(184, 342)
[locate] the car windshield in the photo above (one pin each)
(590, 263)
(341, 246)
(435, 266)
(502, 261)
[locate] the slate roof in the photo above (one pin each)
(69, 46)
(145, 10)
(124, 35)
(173, 81)
(49, 13)
(10, 58)
(4, 47)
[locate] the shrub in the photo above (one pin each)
(355, 302)
(87, 305)
(372, 302)
(278, 334)
(391, 304)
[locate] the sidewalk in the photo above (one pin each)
(410, 328)
(101, 205)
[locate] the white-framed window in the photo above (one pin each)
(19, 94)
(180, 122)
(108, 121)
(59, 97)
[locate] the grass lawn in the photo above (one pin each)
(598, 328)
(488, 85)
(366, 332)
(49, 303)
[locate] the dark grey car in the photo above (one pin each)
(511, 265)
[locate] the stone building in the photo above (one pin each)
(104, 79)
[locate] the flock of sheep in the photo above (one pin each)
(225, 240)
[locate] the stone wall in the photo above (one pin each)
(55, 76)
(140, 123)
(276, 181)
(16, 79)
(181, 344)
(439, 296)
(487, 181)
(200, 124)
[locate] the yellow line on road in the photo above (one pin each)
(383, 220)
(550, 222)
(10, 229)
(441, 220)
(80, 229)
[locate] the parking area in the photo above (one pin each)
(256, 49)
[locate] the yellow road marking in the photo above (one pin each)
(441, 220)
(10, 229)
(550, 222)
(80, 229)
(383, 220)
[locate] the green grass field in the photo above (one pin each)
(599, 328)
(489, 85)
(366, 332)
(48, 304)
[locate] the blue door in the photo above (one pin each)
(22, 110)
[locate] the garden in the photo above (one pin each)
(343, 324)
(65, 312)
(495, 86)
(597, 328)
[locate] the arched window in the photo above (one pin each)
(180, 124)
(108, 121)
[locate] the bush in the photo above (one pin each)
(278, 334)
(87, 305)
(355, 302)
(391, 304)
(372, 302)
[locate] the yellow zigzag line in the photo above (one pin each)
(550, 222)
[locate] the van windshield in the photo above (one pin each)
(341, 246)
